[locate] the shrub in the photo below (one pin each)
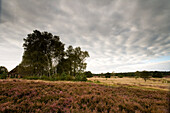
(159, 75)
(31, 77)
(136, 77)
(80, 77)
(3, 70)
(44, 77)
(144, 75)
(108, 75)
(120, 76)
(12, 76)
(97, 81)
(88, 74)
(69, 77)
(20, 96)
(3, 75)
(63, 76)
(84, 78)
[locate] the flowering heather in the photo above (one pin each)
(78, 97)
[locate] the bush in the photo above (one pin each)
(3, 70)
(63, 76)
(97, 81)
(108, 75)
(44, 77)
(80, 77)
(136, 77)
(88, 74)
(12, 76)
(120, 76)
(84, 78)
(31, 77)
(69, 77)
(157, 75)
(3, 75)
(144, 75)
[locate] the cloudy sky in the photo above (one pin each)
(120, 35)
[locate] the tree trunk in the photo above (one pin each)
(48, 66)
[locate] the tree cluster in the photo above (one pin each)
(3, 72)
(45, 54)
(144, 74)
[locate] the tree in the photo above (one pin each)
(137, 74)
(144, 75)
(88, 74)
(113, 73)
(74, 61)
(3, 72)
(63, 67)
(42, 53)
(107, 75)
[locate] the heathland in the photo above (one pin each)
(17, 95)
(48, 80)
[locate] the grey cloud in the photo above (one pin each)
(116, 33)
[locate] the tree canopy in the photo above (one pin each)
(44, 54)
(74, 61)
(3, 70)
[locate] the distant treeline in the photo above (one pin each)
(156, 74)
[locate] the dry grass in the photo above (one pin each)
(45, 81)
(153, 83)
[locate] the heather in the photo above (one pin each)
(77, 97)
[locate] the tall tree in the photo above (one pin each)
(42, 52)
(76, 60)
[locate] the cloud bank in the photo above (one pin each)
(120, 35)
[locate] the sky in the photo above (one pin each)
(120, 35)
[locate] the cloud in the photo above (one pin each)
(116, 33)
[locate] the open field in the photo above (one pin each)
(152, 83)
(77, 97)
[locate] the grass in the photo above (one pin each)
(153, 83)
(77, 97)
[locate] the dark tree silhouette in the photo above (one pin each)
(42, 52)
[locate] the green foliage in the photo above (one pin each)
(44, 77)
(80, 77)
(74, 61)
(144, 75)
(97, 81)
(3, 70)
(41, 51)
(3, 75)
(136, 77)
(120, 76)
(63, 76)
(44, 55)
(31, 77)
(69, 78)
(88, 74)
(157, 75)
(108, 75)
